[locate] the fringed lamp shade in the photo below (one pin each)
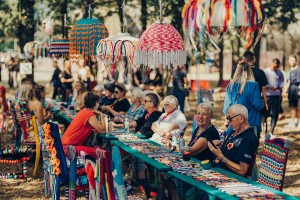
(59, 46)
(200, 14)
(85, 36)
(117, 48)
(36, 49)
(160, 44)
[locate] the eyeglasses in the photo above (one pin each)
(231, 118)
(147, 101)
(117, 92)
(166, 104)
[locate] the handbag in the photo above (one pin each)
(92, 140)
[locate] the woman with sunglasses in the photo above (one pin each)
(205, 132)
(121, 105)
(244, 90)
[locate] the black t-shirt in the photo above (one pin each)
(260, 77)
(55, 78)
(105, 101)
(144, 124)
(294, 81)
(211, 133)
(139, 76)
(238, 149)
(67, 85)
(120, 106)
(178, 80)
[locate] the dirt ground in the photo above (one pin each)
(33, 188)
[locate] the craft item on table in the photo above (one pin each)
(127, 137)
(205, 164)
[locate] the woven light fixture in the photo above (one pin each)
(85, 36)
(160, 44)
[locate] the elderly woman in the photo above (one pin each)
(171, 123)
(121, 105)
(204, 133)
(238, 150)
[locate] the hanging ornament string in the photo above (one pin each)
(90, 11)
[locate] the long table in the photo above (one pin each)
(109, 137)
(158, 167)
(212, 191)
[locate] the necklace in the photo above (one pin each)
(198, 133)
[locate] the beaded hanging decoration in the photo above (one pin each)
(273, 163)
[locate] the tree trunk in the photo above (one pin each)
(221, 46)
(236, 44)
(63, 10)
(144, 14)
(120, 12)
(256, 49)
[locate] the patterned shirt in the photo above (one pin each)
(137, 113)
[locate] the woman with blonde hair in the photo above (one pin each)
(80, 88)
(244, 90)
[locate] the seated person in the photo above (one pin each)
(121, 105)
(237, 151)
(143, 124)
(171, 123)
(83, 124)
(99, 89)
(109, 98)
(81, 92)
(136, 109)
(204, 133)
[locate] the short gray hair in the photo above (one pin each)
(208, 107)
(172, 100)
(239, 109)
(137, 92)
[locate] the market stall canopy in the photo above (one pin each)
(85, 36)
(160, 44)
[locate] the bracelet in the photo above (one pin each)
(224, 160)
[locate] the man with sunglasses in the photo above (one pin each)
(237, 152)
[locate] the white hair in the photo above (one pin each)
(239, 109)
(208, 107)
(137, 92)
(172, 100)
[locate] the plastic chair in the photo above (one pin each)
(273, 163)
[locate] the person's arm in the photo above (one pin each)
(199, 146)
(113, 112)
(99, 127)
(264, 93)
(38, 112)
(155, 129)
(240, 169)
(284, 92)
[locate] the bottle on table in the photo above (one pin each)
(126, 125)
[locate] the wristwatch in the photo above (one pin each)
(224, 160)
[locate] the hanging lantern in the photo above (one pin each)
(48, 26)
(59, 46)
(160, 44)
(85, 36)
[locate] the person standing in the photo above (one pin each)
(179, 83)
(274, 89)
(84, 74)
(55, 80)
(260, 78)
(66, 81)
(292, 89)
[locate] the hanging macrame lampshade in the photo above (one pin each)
(59, 46)
(85, 36)
(160, 44)
(117, 48)
(36, 49)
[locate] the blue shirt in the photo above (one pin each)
(250, 98)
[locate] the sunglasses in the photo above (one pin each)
(231, 118)
(147, 101)
(117, 92)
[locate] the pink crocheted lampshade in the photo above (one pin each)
(160, 44)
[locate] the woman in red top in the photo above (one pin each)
(83, 124)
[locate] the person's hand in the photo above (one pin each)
(215, 151)
(217, 143)
(266, 105)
